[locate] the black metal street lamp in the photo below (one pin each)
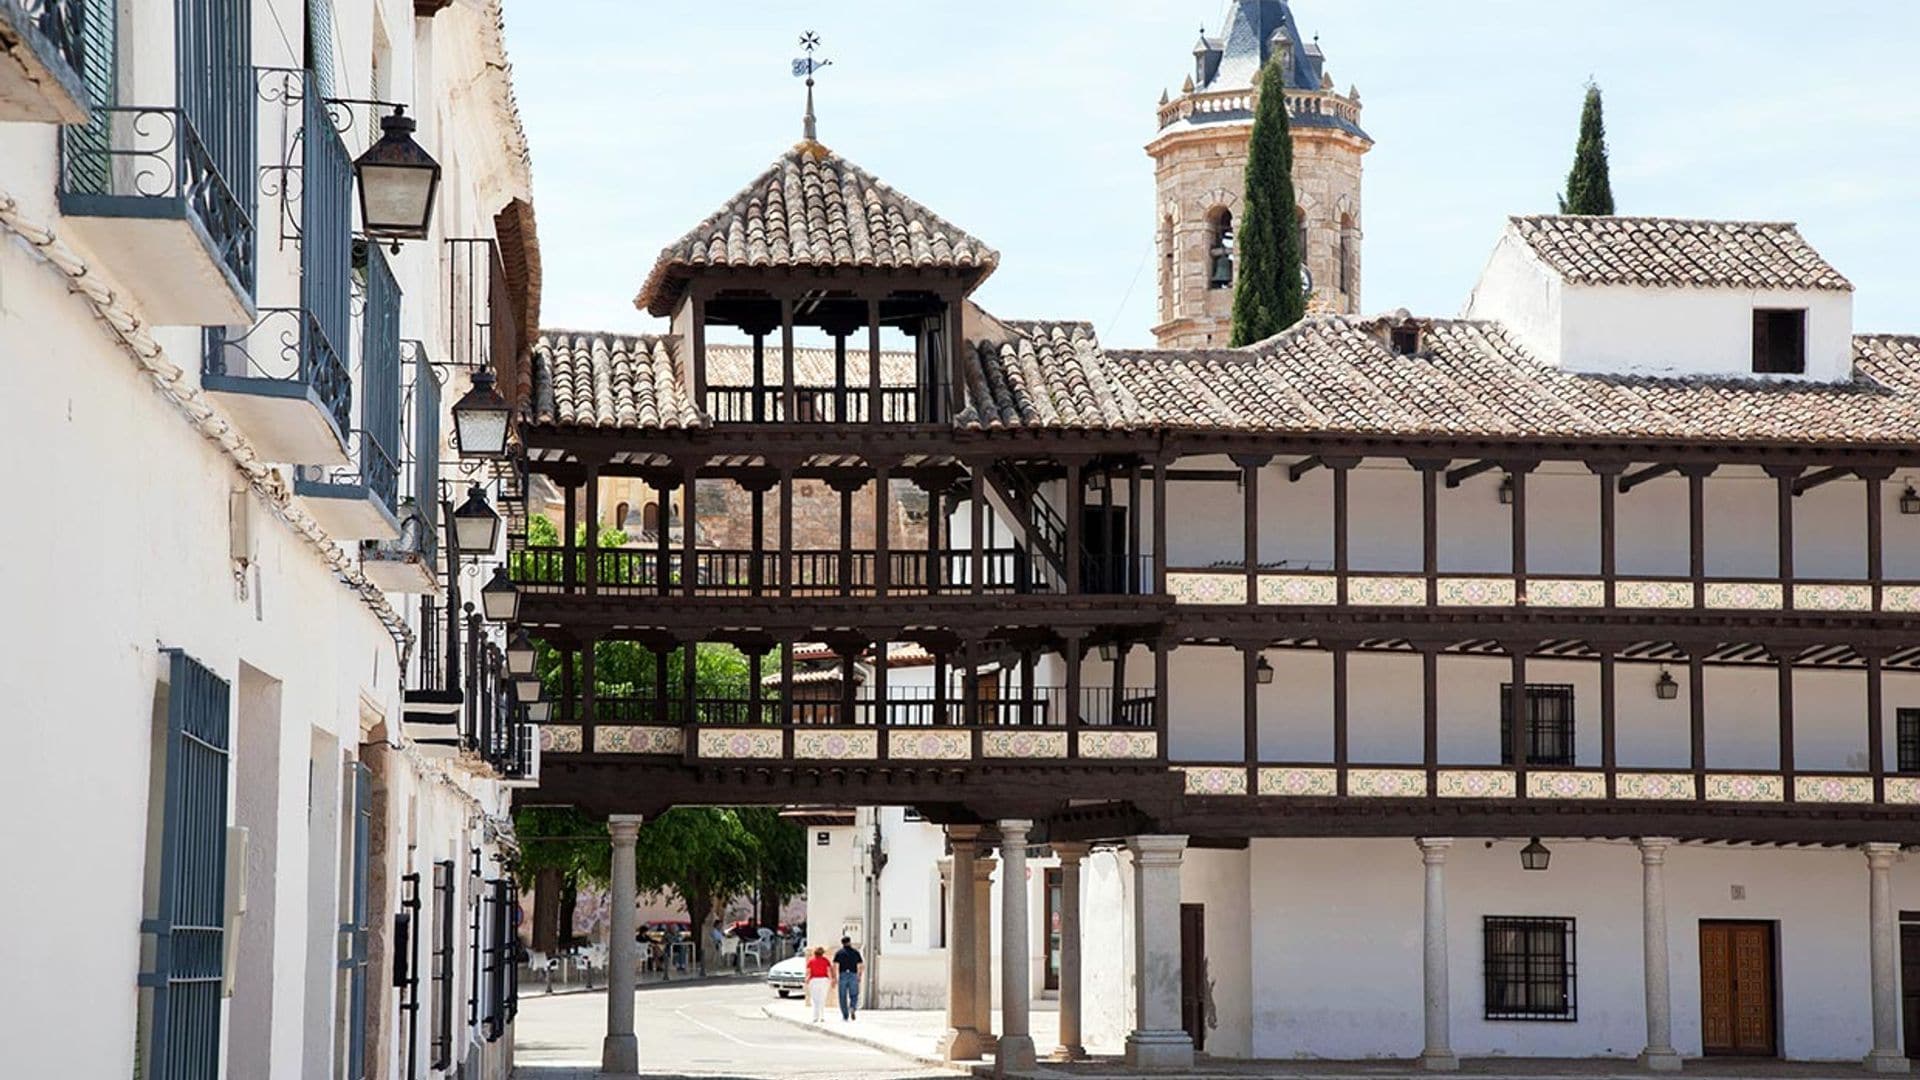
(476, 528)
(499, 597)
(1263, 672)
(1664, 687)
(1108, 652)
(1535, 855)
(1910, 501)
(480, 419)
(1506, 491)
(526, 688)
(520, 653)
(398, 181)
(539, 712)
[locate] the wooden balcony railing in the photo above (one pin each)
(635, 571)
(911, 707)
(812, 405)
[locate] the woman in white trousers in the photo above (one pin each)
(819, 978)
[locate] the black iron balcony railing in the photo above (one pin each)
(811, 405)
(914, 706)
(733, 572)
(286, 345)
(145, 162)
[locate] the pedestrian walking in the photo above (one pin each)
(847, 961)
(819, 974)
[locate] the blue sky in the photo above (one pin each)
(1024, 122)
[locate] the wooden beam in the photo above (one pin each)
(1631, 480)
(1815, 479)
(1302, 467)
(1467, 472)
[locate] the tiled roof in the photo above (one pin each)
(1326, 375)
(814, 209)
(587, 379)
(732, 365)
(1675, 252)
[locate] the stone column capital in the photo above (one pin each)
(1653, 849)
(1879, 854)
(983, 868)
(1157, 850)
(1433, 849)
(625, 828)
(1014, 827)
(1070, 852)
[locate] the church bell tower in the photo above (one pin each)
(1200, 162)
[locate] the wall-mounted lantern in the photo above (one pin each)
(1535, 855)
(526, 689)
(476, 528)
(520, 652)
(1108, 651)
(539, 712)
(1664, 687)
(1263, 672)
(1506, 491)
(398, 181)
(1910, 501)
(480, 419)
(499, 598)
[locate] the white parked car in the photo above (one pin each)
(789, 976)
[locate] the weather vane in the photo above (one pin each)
(807, 65)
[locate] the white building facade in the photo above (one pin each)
(262, 827)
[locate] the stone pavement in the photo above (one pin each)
(916, 1034)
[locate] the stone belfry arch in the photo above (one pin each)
(1200, 160)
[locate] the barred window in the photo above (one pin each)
(1907, 740)
(1529, 968)
(1549, 724)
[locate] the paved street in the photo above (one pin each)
(713, 1029)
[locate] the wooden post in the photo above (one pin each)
(663, 487)
(1133, 581)
(757, 408)
(1161, 466)
(840, 378)
(882, 529)
(1876, 724)
(1783, 658)
(662, 702)
(1250, 713)
(1026, 687)
(939, 685)
(756, 571)
(1609, 706)
(1341, 517)
(1783, 477)
(1697, 717)
(1430, 470)
(1697, 529)
(1517, 475)
(1608, 473)
(881, 719)
(569, 705)
(1072, 654)
(1520, 731)
(589, 706)
(935, 515)
(754, 690)
(1338, 650)
(1162, 650)
(1075, 501)
(876, 395)
(977, 520)
(1114, 710)
(846, 488)
(1430, 696)
(697, 305)
(788, 412)
(593, 528)
(569, 549)
(1876, 554)
(786, 692)
(786, 532)
(690, 529)
(1250, 520)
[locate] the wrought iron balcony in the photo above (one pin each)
(408, 564)
(286, 384)
(358, 503)
(141, 188)
(42, 60)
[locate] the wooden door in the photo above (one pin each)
(1052, 891)
(1910, 985)
(1736, 988)
(1193, 973)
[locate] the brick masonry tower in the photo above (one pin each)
(1200, 158)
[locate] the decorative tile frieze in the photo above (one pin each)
(1744, 595)
(627, 739)
(1119, 744)
(1474, 784)
(1476, 592)
(1744, 787)
(1833, 789)
(932, 744)
(1903, 790)
(1208, 588)
(560, 738)
(1387, 591)
(835, 745)
(1653, 594)
(1566, 592)
(1289, 780)
(1023, 744)
(1902, 598)
(1215, 780)
(739, 743)
(1566, 785)
(1315, 590)
(1832, 596)
(1387, 783)
(1629, 785)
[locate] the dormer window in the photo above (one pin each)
(1406, 339)
(1780, 341)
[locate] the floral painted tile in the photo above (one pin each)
(1566, 592)
(1833, 789)
(740, 743)
(1387, 783)
(1215, 780)
(1744, 787)
(929, 745)
(1310, 590)
(1561, 784)
(1208, 588)
(1474, 784)
(560, 738)
(1298, 781)
(1387, 591)
(835, 745)
(1476, 592)
(624, 739)
(1653, 594)
(1023, 744)
(1118, 744)
(1653, 786)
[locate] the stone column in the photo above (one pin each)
(1659, 1056)
(1070, 854)
(1016, 960)
(620, 1053)
(962, 1041)
(1882, 949)
(983, 868)
(1158, 1041)
(1437, 1055)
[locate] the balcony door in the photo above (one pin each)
(1737, 999)
(1103, 538)
(1193, 973)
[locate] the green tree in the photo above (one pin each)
(560, 850)
(1589, 191)
(1268, 294)
(780, 860)
(699, 856)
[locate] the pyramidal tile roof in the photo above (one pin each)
(814, 209)
(1677, 252)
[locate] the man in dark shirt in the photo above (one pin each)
(847, 962)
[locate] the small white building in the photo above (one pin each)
(258, 823)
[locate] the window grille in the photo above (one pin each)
(326, 257)
(406, 967)
(1529, 968)
(213, 43)
(1549, 724)
(1907, 740)
(380, 381)
(188, 925)
(440, 1048)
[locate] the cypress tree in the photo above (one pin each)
(1588, 189)
(1268, 297)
